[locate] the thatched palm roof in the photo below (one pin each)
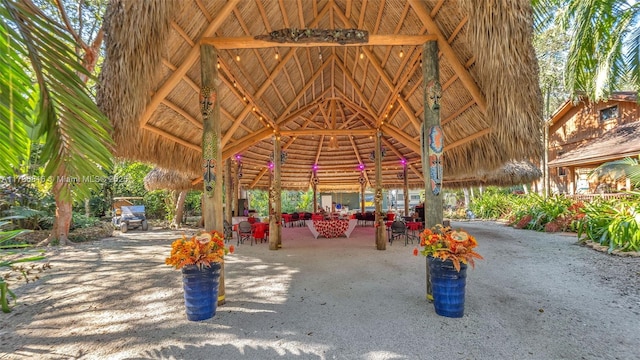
(512, 173)
(162, 179)
(490, 108)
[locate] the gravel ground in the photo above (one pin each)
(534, 296)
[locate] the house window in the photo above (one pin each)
(562, 171)
(609, 113)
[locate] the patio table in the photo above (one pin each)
(332, 228)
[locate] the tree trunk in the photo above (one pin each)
(62, 223)
(177, 219)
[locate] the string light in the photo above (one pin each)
(319, 53)
(235, 84)
(244, 97)
(238, 57)
(361, 55)
(401, 53)
(277, 55)
(218, 65)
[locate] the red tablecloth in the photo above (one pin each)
(414, 225)
(331, 228)
(260, 230)
(315, 217)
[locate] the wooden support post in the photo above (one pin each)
(238, 187)
(405, 188)
(275, 205)
(314, 185)
(211, 151)
(228, 193)
(381, 242)
(432, 142)
(363, 185)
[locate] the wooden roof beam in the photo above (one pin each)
(172, 137)
(190, 59)
(449, 53)
(245, 143)
(467, 139)
(268, 82)
(248, 42)
(329, 132)
(385, 77)
(357, 152)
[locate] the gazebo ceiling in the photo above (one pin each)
(324, 100)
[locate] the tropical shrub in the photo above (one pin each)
(492, 205)
(613, 223)
(14, 261)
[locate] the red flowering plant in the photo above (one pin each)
(447, 244)
(200, 250)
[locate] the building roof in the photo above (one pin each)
(619, 142)
(490, 106)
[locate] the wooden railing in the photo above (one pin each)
(589, 197)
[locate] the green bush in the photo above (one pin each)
(613, 223)
(492, 205)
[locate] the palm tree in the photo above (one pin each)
(627, 168)
(604, 53)
(43, 88)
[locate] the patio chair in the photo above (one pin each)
(398, 230)
(295, 219)
(228, 231)
(245, 232)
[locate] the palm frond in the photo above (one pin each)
(76, 132)
(16, 95)
(620, 169)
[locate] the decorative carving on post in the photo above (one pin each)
(434, 93)
(436, 145)
(209, 148)
(340, 36)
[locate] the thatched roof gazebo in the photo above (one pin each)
(162, 179)
(325, 101)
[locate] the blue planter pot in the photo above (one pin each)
(201, 291)
(448, 287)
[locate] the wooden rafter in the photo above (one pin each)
(268, 82)
(248, 42)
(328, 132)
(172, 137)
(190, 59)
(449, 53)
(357, 153)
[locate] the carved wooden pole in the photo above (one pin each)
(275, 205)
(432, 142)
(211, 152)
(381, 242)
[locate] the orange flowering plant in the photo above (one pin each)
(447, 244)
(201, 250)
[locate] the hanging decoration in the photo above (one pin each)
(401, 175)
(239, 169)
(315, 180)
(383, 152)
(283, 157)
(362, 180)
